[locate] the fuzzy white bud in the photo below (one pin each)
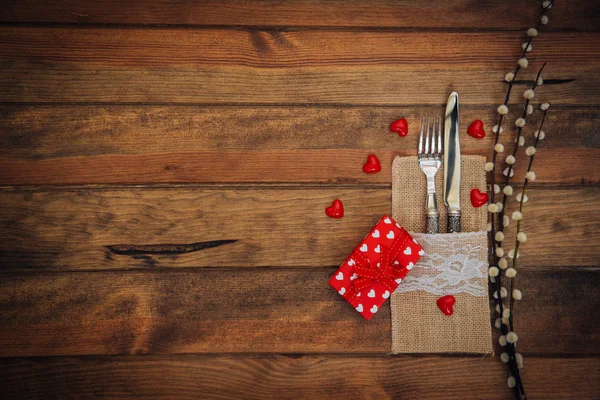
(540, 81)
(502, 263)
(489, 227)
(517, 215)
(519, 360)
(498, 323)
(497, 307)
(544, 20)
(512, 382)
(504, 357)
(502, 110)
(492, 279)
(502, 340)
(525, 198)
(520, 122)
(521, 237)
(530, 151)
(508, 190)
(500, 205)
(526, 46)
(509, 77)
(547, 4)
(492, 208)
(521, 141)
(510, 160)
(505, 221)
(512, 337)
(494, 271)
(529, 109)
(496, 188)
(499, 251)
(506, 313)
(489, 166)
(499, 236)
(541, 134)
(523, 62)
(532, 32)
(506, 171)
(530, 176)
(511, 272)
(495, 129)
(517, 294)
(511, 254)
(545, 106)
(503, 293)
(528, 94)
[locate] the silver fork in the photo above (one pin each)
(430, 160)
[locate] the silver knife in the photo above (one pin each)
(452, 164)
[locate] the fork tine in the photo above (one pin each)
(427, 137)
(421, 137)
(433, 136)
(440, 137)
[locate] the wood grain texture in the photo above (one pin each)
(511, 14)
(282, 227)
(286, 311)
(57, 65)
(202, 144)
(282, 377)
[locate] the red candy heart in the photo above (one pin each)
(400, 126)
(477, 198)
(335, 210)
(446, 304)
(476, 129)
(372, 166)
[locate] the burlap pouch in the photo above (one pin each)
(453, 264)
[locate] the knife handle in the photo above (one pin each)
(433, 223)
(454, 222)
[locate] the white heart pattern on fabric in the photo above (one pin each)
(377, 249)
(353, 277)
(342, 291)
(374, 309)
(387, 221)
(339, 276)
(408, 251)
(390, 235)
(410, 266)
(359, 308)
(371, 294)
(385, 294)
(351, 262)
(396, 262)
(364, 248)
(421, 252)
(399, 280)
(376, 233)
(358, 295)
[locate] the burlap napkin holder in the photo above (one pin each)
(453, 264)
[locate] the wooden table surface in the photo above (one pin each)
(131, 132)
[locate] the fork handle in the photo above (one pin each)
(433, 223)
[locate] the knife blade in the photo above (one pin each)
(452, 163)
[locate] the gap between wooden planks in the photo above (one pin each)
(377, 14)
(297, 377)
(188, 144)
(66, 229)
(284, 310)
(329, 67)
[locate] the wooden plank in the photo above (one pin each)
(213, 310)
(510, 14)
(61, 145)
(271, 67)
(304, 377)
(282, 227)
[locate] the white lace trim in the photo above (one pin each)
(452, 264)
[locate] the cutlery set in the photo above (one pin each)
(430, 158)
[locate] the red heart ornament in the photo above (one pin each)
(372, 166)
(446, 304)
(476, 129)
(478, 198)
(335, 210)
(400, 126)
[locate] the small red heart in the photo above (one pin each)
(476, 129)
(372, 166)
(478, 198)
(335, 210)
(400, 126)
(446, 304)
